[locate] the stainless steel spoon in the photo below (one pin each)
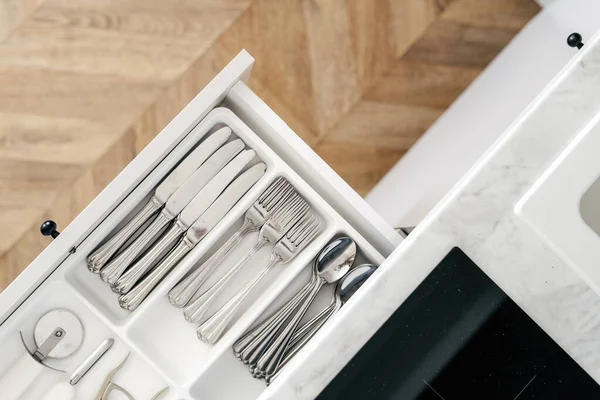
(334, 261)
(253, 343)
(345, 289)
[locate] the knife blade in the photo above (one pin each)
(188, 216)
(190, 164)
(117, 266)
(234, 192)
(214, 188)
(165, 189)
(203, 175)
(224, 203)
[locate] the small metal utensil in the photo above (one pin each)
(91, 361)
(109, 386)
(66, 391)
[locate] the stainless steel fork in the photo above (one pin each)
(271, 199)
(271, 232)
(295, 239)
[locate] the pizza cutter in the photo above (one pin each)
(57, 334)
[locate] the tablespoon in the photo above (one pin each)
(334, 261)
(345, 288)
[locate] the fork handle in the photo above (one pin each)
(269, 361)
(102, 254)
(252, 345)
(194, 311)
(181, 294)
(115, 268)
(211, 330)
(136, 296)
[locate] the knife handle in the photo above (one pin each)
(102, 254)
(148, 260)
(115, 268)
(136, 296)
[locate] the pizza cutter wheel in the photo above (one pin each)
(57, 334)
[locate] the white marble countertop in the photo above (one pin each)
(478, 215)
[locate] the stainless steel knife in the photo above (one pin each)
(167, 187)
(196, 233)
(188, 216)
(182, 196)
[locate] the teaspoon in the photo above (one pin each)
(345, 289)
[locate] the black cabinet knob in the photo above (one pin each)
(575, 40)
(48, 228)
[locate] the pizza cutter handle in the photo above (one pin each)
(60, 391)
(18, 379)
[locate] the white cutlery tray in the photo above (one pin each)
(165, 350)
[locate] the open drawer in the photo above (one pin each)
(163, 348)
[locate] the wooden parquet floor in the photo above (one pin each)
(86, 84)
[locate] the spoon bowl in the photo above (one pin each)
(336, 259)
(353, 280)
(345, 288)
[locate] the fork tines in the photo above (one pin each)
(304, 231)
(276, 194)
(289, 212)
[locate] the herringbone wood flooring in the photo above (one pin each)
(85, 84)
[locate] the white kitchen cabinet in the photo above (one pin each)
(485, 110)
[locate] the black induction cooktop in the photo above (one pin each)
(459, 336)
